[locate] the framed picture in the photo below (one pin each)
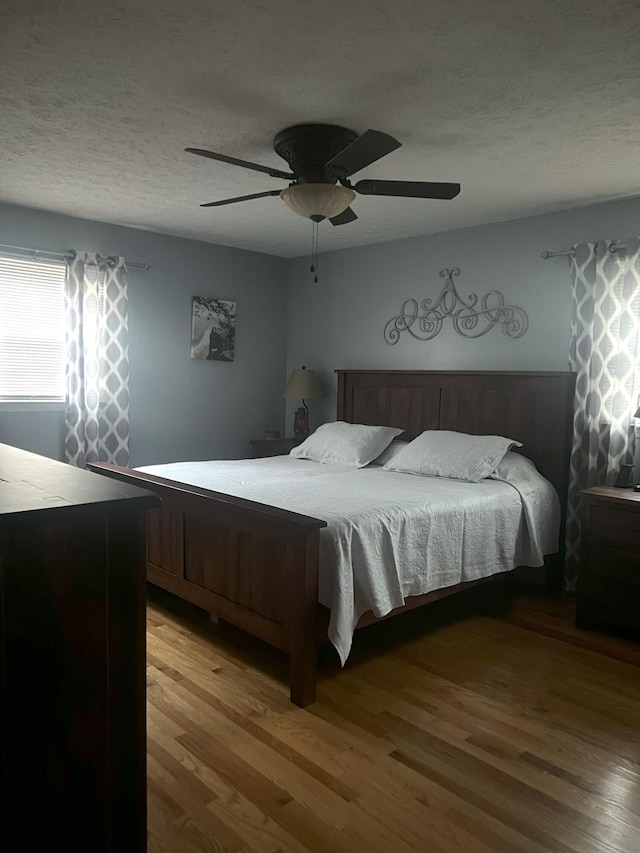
(213, 329)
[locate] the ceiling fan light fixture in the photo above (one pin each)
(317, 201)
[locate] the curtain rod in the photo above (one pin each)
(570, 252)
(47, 253)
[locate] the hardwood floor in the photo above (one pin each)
(480, 725)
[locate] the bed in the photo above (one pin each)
(257, 565)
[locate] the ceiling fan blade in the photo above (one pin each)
(343, 218)
(366, 149)
(275, 173)
(408, 189)
(240, 198)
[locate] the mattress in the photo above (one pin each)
(391, 535)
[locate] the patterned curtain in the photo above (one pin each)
(604, 353)
(97, 409)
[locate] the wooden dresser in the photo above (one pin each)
(72, 658)
(609, 577)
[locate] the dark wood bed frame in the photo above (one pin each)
(256, 566)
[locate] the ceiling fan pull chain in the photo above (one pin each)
(314, 251)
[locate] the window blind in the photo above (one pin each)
(32, 329)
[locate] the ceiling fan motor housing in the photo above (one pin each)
(307, 147)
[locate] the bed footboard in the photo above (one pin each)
(253, 565)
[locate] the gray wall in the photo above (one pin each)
(339, 322)
(187, 409)
(180, 408)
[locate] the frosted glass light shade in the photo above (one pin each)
(319, 201)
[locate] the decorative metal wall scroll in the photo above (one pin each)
(469, 319)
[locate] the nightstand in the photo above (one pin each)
(271, 447)
(609, 577)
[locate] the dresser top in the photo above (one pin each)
(30, 484)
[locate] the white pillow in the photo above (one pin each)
(354, 445)
(443, 453)
(514, 465)
(389, 452)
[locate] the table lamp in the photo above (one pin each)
(302, 385)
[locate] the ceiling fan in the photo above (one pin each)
(322, 157)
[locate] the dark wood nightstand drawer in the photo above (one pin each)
(615, 524)
(616, 564)
(271, 447)
(612, 601)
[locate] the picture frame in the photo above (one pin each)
(213, 329)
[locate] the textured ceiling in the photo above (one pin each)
(531, 106)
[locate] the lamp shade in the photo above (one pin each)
(317, 201)
(303, 384)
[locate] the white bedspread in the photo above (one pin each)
(393, 535)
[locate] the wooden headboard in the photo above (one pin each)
(534, 408)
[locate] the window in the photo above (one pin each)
(32, 331)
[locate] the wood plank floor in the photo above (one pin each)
(482, 725)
